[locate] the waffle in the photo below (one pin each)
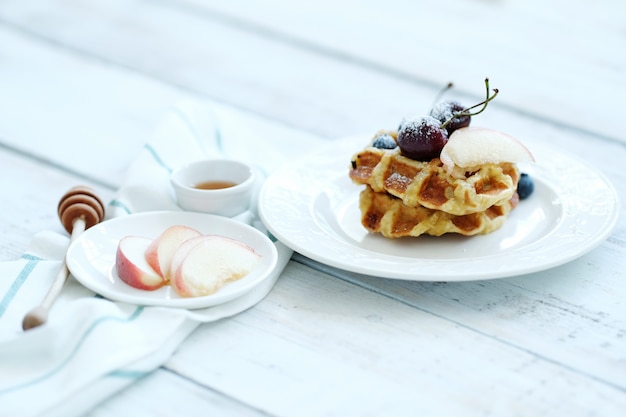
(386, 214)
(426, 183)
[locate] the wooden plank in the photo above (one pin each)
(288, 69)
(94, 121)
(108, 113)
(581, 328)
(307, 90)
(164, 393)
(548, 61)
(347, 351)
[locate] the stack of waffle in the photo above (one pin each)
(405, 197)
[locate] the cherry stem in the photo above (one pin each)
(466, 112)
(442, 92)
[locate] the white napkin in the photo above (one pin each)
(91, 347)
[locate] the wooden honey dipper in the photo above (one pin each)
(79, 209)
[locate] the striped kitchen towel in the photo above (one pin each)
(92, 347)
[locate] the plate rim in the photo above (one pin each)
(177, 217)
(591, 242)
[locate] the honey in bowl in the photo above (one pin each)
(214, 185)
(217, 186)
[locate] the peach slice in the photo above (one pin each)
(472, 146)
(204, 265)
(131, 264)
(181, 252)
(160, 252)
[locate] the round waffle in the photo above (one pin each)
(386, 214)
(426, 183)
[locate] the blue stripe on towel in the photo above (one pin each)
(21, 278)
(118, 203)
(81, 340)
(158, 160)
(156, 157)
(128, 374)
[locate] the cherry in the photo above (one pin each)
(453, 115)
(453, 111)
(422, 138)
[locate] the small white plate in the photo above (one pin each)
(91, 257)
(312, 206)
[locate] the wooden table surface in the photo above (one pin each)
(83, 84)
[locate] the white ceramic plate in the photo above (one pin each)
(91, 257)
(312, 207)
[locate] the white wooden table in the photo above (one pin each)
(83, 83)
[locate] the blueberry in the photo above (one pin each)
(384, 141)
(525, 186)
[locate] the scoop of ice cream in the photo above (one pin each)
(474, 146)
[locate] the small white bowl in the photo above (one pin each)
(230, 201)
